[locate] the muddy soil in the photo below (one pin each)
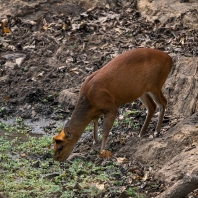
(47, 47)
(41, 57)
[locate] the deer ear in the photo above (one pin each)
(68, 133)
(60, 137)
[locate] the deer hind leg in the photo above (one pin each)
(161, 101)
(147, 100)
(95, 132)
(108, 121)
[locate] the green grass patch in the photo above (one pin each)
(26, 162)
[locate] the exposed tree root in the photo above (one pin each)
(183, 187)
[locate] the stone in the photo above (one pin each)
(67, 99)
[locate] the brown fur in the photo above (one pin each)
(138, 73)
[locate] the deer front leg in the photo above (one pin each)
(95, 132)
(107, 125)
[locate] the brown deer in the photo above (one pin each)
(138, 73)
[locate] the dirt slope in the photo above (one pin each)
(161, 10)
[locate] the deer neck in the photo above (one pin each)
(80, 118)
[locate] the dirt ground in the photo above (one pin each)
(47, 47)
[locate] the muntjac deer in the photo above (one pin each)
(138, 73)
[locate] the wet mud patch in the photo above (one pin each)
(27, 164)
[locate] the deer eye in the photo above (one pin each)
(60, 148)
(58, 141)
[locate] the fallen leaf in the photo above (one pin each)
(118, 30)
(182, 40)
(45, 27)
(45, 22)
(122, 160)
(82, 25)
(84, 14)
(121, 117)
(138, 177)
(100, 186)
(113, 16)
(102, 19)
(107, 6)
(4, 22)
(62, 68)
(105, 154)
(23, 155)
(104, 46)
(74, 70)
(12, 47)
(6, 30)
(64, 26)
(41, 74)
(146, 176)
(75, 26)
(19, 61)
(6, 98)
(69, 60)
(91, 9)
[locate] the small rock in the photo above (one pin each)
(19, 61)
(10, 65)
(4, 79)
(29, 107)
(52, 123)
(22, 109)
(36, 164)
(33, 69)
(33, 113)
(67, 98)
(124, 195)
